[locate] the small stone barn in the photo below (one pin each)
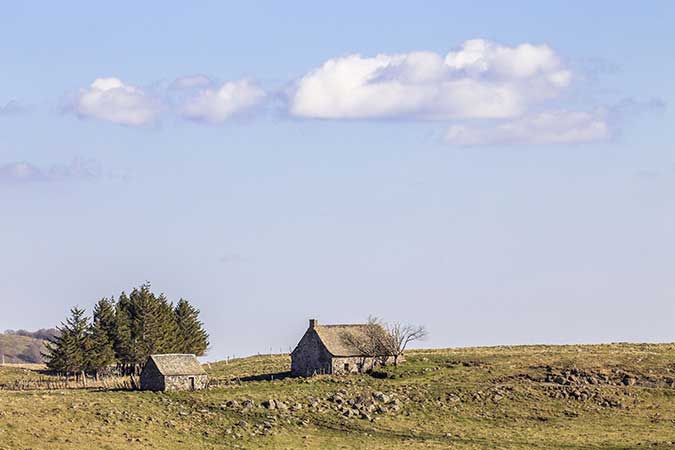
(173, 372)
(323, 349)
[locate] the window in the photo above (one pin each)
(346, 367)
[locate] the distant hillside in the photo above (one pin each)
(23, 346)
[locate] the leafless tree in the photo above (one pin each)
(398, 336)
(370, 342)
(381, 341)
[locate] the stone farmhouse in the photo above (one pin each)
(173, 372)
(323, 349)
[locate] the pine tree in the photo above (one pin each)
(146, 325)
(104, 317)
(100, 352)
(67, 353)
(192, 336)
(168, 327)
(122, 342)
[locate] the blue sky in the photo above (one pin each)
(500, 173)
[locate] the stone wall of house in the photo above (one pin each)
(183, 383)
(356, 364)
(151, 379)
(310, 357)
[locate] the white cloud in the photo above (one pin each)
(217, 104)
(552, 127)
(480, 80)
(111, 100)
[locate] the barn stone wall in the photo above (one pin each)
(151, 378)
(357, 364)
(310, 356)
(182, 382)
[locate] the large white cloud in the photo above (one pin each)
(217, 104)
(551, 127)
(111, 100)
(482, 79)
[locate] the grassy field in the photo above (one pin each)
(618, 396)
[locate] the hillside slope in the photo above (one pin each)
(20, 349)
(617, 396)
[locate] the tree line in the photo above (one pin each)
(123, 332)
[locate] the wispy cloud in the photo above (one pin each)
(232, 258)
(213, 103)
(12, 107)
(551, 127)
(24, 172)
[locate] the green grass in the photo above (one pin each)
(473, 398)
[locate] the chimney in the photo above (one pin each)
(313, 323)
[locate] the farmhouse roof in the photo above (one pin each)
(336, 338)
(177, 364)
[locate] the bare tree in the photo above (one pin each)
(381, 341)
(398, 336)
(370, 342)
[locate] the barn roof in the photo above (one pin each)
(334, 337)
(177, 364)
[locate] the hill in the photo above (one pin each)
(614, 396)
(20, 349)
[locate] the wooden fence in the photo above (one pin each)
(55, 383)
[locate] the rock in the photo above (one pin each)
(269, 404)
(381, 397)
(248, 403)
(628, 380)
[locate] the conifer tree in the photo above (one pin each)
(67, 353)
(104, 317)
(100, 353)
(169, 335)
(123, 344)
(146, 325)
(192, 336)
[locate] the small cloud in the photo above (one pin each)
(110, 100)
(629, 108)
(12, 107)
(190, 82)
(215, 105)
(551, 127)
(232, 258)
(24, 172)
(20, 172)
